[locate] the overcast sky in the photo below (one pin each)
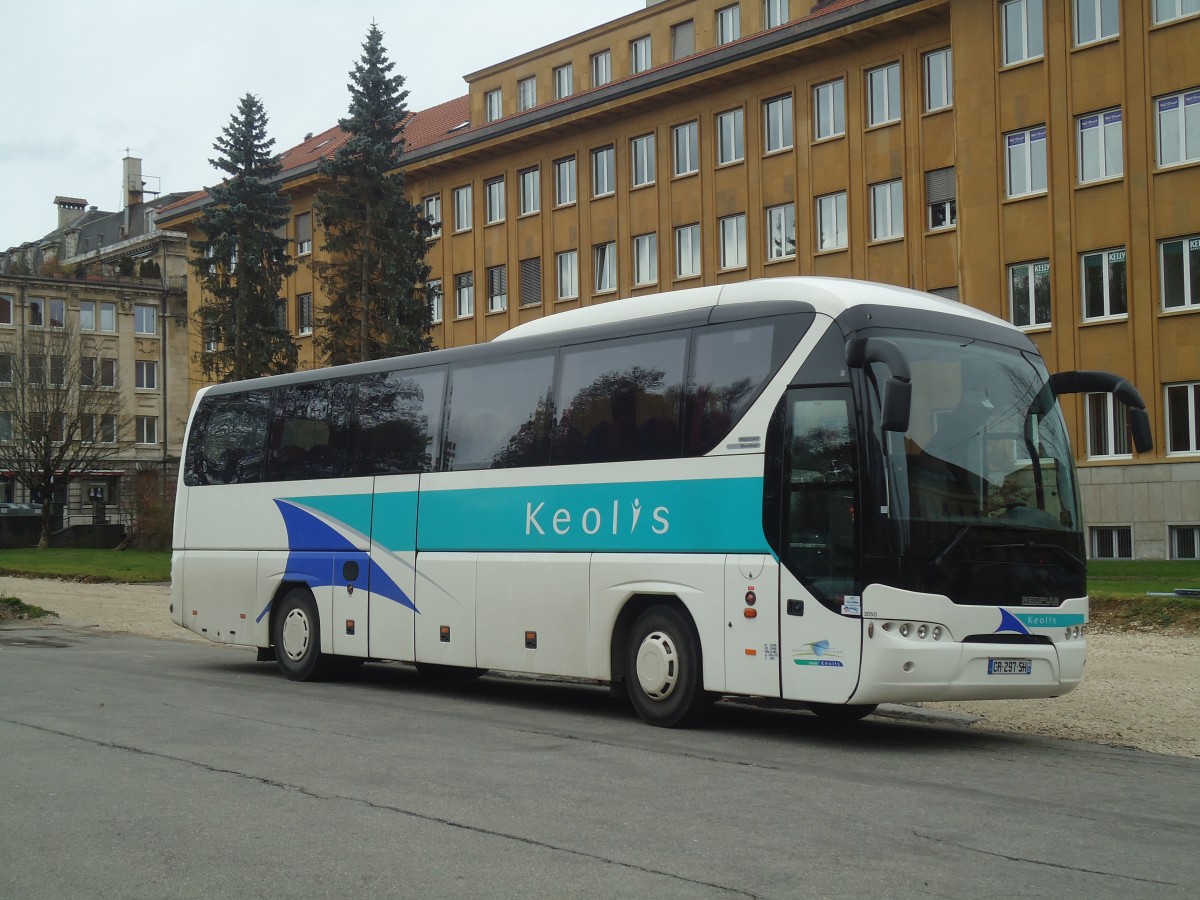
(80, 82)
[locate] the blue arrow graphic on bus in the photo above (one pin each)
(314, 540)
(1009, 622)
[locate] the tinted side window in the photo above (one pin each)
(308, 431)
(398, 421)
(621, 399)
(500, 414)
(227, 440)
(730, 365)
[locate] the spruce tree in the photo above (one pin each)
(243, 258)
(373, 265)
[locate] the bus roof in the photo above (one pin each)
(831, 296)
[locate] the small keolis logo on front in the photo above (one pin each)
(619, 519)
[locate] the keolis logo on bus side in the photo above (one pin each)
(591, 520)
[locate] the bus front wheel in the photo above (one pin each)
(662, 669)
(296, 632)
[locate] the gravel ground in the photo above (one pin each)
(1142, 688)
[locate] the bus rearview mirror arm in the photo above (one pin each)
(1085, 382)
(897, 390)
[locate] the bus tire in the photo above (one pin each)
(842, 712)
(296, 633)
(663, 670)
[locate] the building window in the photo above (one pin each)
(883, 102)
(37, 369)
(303, 225)
(940, 199)
(464, 295)
(108, 317)
(210, 332)
(729, 24)
(281, 305)
(829, 102)
(564, 181)
(939, 80)
(1166, 10)
(832, 230)
(606, 266)
(1185, 541)
(642, 158)
(887, 210)
(108, 372)
(526, 93)
(947, 293)
(6, 366)
(781, 231)
(683, 39)
(775, 13)
(493, 104)
(1029, 293)
(304, 313)
(731, 136)
(6, 309)
(493, 192)
(531, 281)
(108, 429)
(645, 259)
(145, 320)
(58, 313)
(567, 264)
(1107, 426)
(433, 290)
(1100, 152)
(1180, 265)
(687, 251)
(529, 185)
(564, 81)
(604, 171)
(1183, 418)
(733, 241)
(145, 374)
(1096, 20)
(686, 142)
(497, 288)
(35, 312)
(146, 429)
(58, 369)
(1026, 161)
(777, 121)
(6, 428)
(1021, 24)
(87, 314)
(601, 68)
(1111, 541)
(1104, 284)
(432, 207)
(639, 55)
(462, 208)
(1178, 126)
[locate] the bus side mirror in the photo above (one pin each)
(1106, 383)
(897, 390)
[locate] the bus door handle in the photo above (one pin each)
(795, 607)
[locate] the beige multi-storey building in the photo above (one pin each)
(1037, 159)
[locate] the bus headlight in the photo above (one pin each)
(904, 629)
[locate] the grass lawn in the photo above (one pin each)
(1133, 578)
(88, 565)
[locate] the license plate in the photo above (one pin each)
(1010, 666)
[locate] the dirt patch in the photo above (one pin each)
(1141, 690)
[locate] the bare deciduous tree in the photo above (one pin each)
(61, 412)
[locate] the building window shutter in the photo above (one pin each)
(531, 281)
(939, 185)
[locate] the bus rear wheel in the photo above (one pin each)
(296, 633)
(662, 669)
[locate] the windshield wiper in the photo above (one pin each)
(1036, 545)
(962, 533)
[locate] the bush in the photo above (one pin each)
(125, 266)
(153, 511)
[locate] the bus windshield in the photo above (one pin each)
(983, 478)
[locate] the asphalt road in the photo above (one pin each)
(132, 767)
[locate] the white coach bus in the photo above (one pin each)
(812, 489)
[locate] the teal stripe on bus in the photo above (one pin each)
(689, 516)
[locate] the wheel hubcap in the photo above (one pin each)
(658, 665)
(296, 635)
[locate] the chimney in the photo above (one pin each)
(132, 189)
(68, 209)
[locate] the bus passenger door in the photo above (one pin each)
(819, 599)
